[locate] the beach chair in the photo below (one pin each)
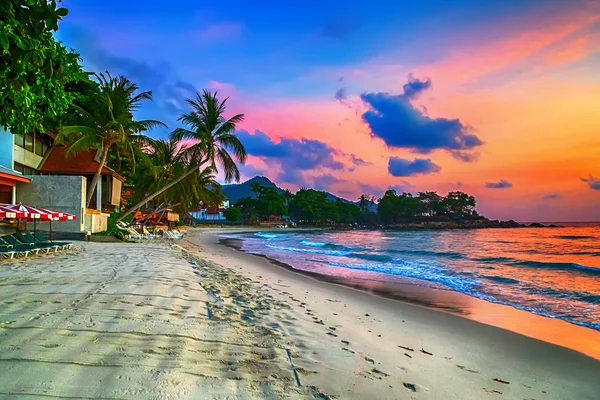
(8, 248)
(173, 235)
(28, 238)
(31, 248)
(40, 239)
(127, 232)
(7, 252)
(21, 238)
(148, 234)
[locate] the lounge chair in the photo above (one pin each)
(173, 234)
(40, 239)
(6, 249)
(147, 233)
(30, 247)
(27, 238)
(127, 232)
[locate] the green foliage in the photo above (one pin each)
(212, 134)
(111, 226)
(233, 214)
(37, 73)
(312, 207)
(166, 160)
(105, 119)
(212, 137)
(393, 208)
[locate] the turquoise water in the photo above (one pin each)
(553, 272)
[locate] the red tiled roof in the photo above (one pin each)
(81, 163)
(212, 210)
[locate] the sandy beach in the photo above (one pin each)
(195, 319)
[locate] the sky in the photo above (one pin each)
(500, 99)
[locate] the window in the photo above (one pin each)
(35, 142)
(28, 142)
(38, 148)
(19, 140)
(24, 169)
(41, 144)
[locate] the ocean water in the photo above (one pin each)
(554, 272)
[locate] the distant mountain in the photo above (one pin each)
(240, 190)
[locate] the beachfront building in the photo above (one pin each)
(210, 213)
(46, 178)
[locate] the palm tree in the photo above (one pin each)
(167, 161)
(256, 188)
(212, 137)
(287, 196)
(106, 121)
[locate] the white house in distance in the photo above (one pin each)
(211, 213)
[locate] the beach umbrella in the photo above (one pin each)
(25, 211)
(50, 215)
(10, 211)
(7, 212)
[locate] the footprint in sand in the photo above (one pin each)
(51, 345)
(379, 372)
(345, 342)
(467, 369)
(410, 386)
(348, 350)
(370, 360)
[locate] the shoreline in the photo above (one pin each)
(443, 355)
(192, 319)
(551, 330)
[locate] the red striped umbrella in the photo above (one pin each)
(24, 211)
(49, 215)
(8, 213)
(67, 217)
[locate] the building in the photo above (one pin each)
(86, 163)
(44, 176)
(209, 214)
(8, 184)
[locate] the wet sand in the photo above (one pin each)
(197, 320)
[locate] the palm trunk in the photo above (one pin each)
(158, 192)
(92, 186)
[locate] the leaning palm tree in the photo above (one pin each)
(167, 161)
(106, 121)
(212, 138)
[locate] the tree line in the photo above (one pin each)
(312, 207)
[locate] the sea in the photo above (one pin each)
(553, 272)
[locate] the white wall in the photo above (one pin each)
(95, 222)
(25, 157)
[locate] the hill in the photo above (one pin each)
(238, 191)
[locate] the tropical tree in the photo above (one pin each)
(287, 196)
(35, 68)
(233, 214)
(212, 138)
(431, 203)
(167, 160)
(106, 120)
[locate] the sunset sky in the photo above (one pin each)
(500, 99)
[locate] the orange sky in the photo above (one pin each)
(532, 95)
